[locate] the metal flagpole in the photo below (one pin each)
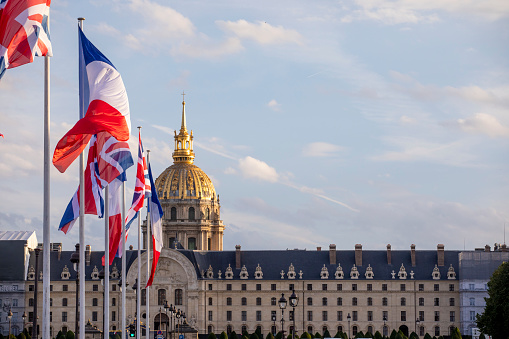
(106, 301)
(124, 266)
(46, 207)
(138, 287)
(82, 226)
(147, 321)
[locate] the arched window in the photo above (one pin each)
(354, 330)
(187, 144)
(144, 297)
(173, 214)
(437, 331)
(370, 301)
(210, 301)
(258, 301)
(340, 328)
(178, 296)
(403, 301)
(207, 213)
(64, 302)
(161, 296)
(191, 213)
(324, 329)
(210, 329)
(384, 301)
(370, 329)
(228, 301)
(324, 301)
(244, 328)
(310, 329)
(179, 145)
(244, 301)
(340, 301)
(310, 301)
(229, 329)
(191, 243)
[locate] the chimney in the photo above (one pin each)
(88, 249)
(412, 253)
(318, 248)
(487, 248)
(59, 250)
(358, 255)
(440, 254)
(237, 257)
(388, 254)
(332, 254)
(131, 247)
(503, 248)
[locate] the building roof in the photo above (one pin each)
(27, 236)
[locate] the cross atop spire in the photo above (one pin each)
(183, 95)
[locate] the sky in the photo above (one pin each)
(368, 122)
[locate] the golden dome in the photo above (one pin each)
(184, 181)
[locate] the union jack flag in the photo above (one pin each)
(94, 202)
(24, 32)
(114, 157)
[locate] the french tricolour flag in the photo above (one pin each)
(156, 215)
(104, 99)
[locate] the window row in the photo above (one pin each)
(339, 287)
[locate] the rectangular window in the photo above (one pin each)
(258, 315)
(15, 302)
(403, 315)
(385, 315)
(310, 315)
(421, 315)
(384, 301)
(340, 315)
(354, 301)
(244, 287)
(451, 287)
(324, 301)
(65, 288)
(31, 287)
(244, 315)
(370, 287)
(354, 316)
(50, 316)
(228, 315)
(228, 287)
(436, 287)
(437, 315)
(210, 287)
(384, 287)
(210, 301)
(354, 287)
(258, 301)
(421, 301)
(113, 316)
(228, 301)
(324, 287)
(210, 316)
(339, 287)
(310, 287)
(258, 287)
(402, 287)
(339, 301)
(472, 301)
(272, 287)
(324, 315)
(51, 288)
(471, 287)
(436, 302)
(113, 287)
(472, 315)
(94, 316)
(64, 316)
(370, 315)
(421, 287)
(291, 287)
(451, 302)
(452, 316)
(113, 302)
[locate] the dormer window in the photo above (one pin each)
(324, 274)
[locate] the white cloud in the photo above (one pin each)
(321, 149)
(274, 105)
(481, 123)
(261, 32)
(254, 168)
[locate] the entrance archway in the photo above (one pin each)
(404, 329)
(161, 322)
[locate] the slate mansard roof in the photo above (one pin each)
(272, 262)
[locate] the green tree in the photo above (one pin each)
(245, 337)
(482, 336)
(378, 335)
(359, 335)
(254, 336)
(60, 335)
(338, 335)
(326, 334)
(495, 318)
(233, 335)
(317, 335)
(456, 333)
(21, 336)
(413, 335)
(368, 335)
(212, 336)
(279, 335)
(223, 335)
(427, 336)
(69, 335)
(269, 336)
(393, 334)
(305, 335)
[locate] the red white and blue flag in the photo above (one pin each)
(94, 202)
(156, 215)
(24, 32)
(104, 99)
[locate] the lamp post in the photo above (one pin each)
(172, 315)
(385, 327)
(9, 316)
(282, 306)
(294, 301)
(24, 316)
(135, 288)
(166, 307)
(348, 317)
(75, 260)
(417, 322)
(178, 315)
(274, 328)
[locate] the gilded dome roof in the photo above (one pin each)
(184, 181)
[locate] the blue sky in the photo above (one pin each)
(321, 122)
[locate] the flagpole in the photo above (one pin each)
(124, 266)
(46, 207)
(147, 325)
(106, 301)
(138, 287)
(82, 227)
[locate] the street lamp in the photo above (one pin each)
(274, 328)
(282, 306)
(348, 317)
(385, 327)
(166, 307)
(24, 316)
(294, 301)
(178, 315)
(172, 315)
(9, 316)
(75, 259)
(417, 322)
